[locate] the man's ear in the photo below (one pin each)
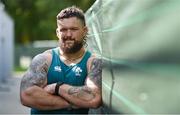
(57, 33)
(85, 30)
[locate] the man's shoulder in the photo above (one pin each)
(92, 58)
(48, 52)
(46, 55)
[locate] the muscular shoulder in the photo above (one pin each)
(37, 71)
(94, 59)
(41, 60)
(95, 70)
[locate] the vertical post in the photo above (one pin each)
(1, 37)
(6, 48)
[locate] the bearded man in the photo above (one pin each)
(66, 79)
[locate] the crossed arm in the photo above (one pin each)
(35, 93)
(87, 96)
(34, 80)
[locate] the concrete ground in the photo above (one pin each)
(9, 96)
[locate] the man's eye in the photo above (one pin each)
(63, 30)
(74, 29)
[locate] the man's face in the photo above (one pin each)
(71, 32)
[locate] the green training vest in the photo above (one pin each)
(74, 75)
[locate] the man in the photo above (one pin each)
(66, 79)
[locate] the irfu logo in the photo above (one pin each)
(77, 71)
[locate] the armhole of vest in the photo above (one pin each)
(88, 55)
(56, 51)
(52, 53)
(85, 57)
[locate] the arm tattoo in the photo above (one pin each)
(95, 73)
(83, 93)
(36, 74)
(86, 93)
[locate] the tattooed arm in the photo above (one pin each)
(89, 95)
(34, 80)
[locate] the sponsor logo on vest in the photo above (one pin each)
(57, 68)
(77, 71)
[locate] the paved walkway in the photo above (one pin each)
(9, 96)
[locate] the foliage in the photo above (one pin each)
(36, 19)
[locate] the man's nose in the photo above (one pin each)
(69, 33)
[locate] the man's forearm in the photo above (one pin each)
(36, 97)
(80, 96)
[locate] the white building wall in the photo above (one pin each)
(6, 45)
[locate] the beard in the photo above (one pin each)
(75, 47)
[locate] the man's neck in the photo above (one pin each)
(72, 56)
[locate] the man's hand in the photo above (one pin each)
(88, 95)
(50, 88)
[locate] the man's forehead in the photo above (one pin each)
(60, 23)
(69, 21)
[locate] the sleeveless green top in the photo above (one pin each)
(74, 75)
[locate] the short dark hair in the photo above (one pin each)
(72, 11)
